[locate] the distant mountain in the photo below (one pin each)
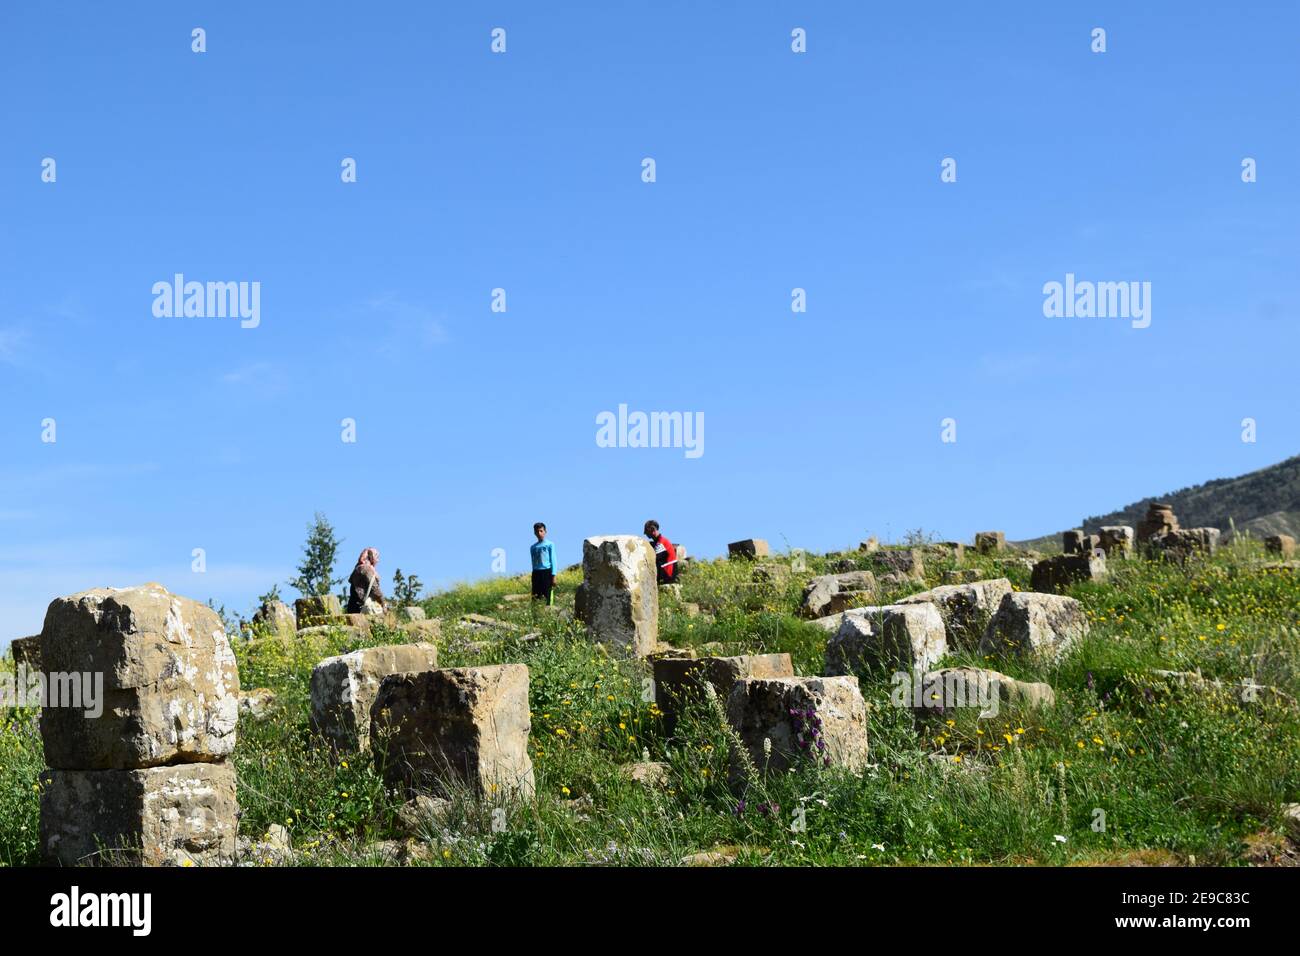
(1262, 502)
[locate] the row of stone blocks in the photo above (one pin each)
(431, 729)
(147, 780)
(324, 611)
(987, 617)
(778, 717)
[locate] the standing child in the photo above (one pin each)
(543, 555)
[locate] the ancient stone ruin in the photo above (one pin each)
(318, 610)
(749, 548)
(954, 688)
(1181, 544)
(782, 720)
(1059, 572)
(988, 542)
(344, 688)
(896, 636)
(678, 677)
(275, 618)
(1118, 541)
(147, 780)
(1159, 519)
(833, 593)
(1279, 544)
(459, 727)
(966, 609)
(26, 652)
(900, 564)
(620, 599)
(1044, 626)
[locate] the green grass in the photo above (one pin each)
(1174, 771)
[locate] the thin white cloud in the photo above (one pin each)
(402, 325)
(11, 345)
(260, 378)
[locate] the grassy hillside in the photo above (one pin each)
(1262, 502)
(1183, 776)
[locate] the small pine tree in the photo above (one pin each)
(406, 590)
(270, 596)
(316, 573)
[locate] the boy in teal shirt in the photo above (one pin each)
(543, 555)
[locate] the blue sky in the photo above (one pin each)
(522, 171)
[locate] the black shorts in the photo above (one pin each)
(543, 584)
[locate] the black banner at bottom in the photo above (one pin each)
(336, 905)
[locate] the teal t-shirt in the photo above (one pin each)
(543, 553)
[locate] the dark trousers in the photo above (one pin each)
(544, 586)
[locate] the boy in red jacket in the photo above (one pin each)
(665, 554)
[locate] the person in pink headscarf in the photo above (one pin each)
(364, 593)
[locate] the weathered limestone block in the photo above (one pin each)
(869, 546)
(317, 610)
(162, 816)
(651, 774)
(353, 634)
(938, 693)
(580, 603)
(1031, 624)
(1118, 541)
(1183, 543)
(1160, 519)
(901, 636)
(343, 689)
(1057, 573)
(966, 609)
(1240, 691)
(814, 718)
(359, 622)
(683, 559)
(621, 594)
(770, 573)
(948, 551)
(1072, 541)
(987, 542)
(411, 612)
(276, 618)
(26, 652)
(905, 562)
(961, 576)
(1279, 544)
(170, 685)
(823, 593)
(677, 677)
(257, 703)
(463, 726)
(426, 631)
(481, 622)
(749, 548)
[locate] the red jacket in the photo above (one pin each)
(666, 556)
